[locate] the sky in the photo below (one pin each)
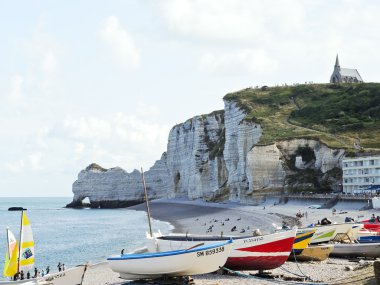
(105, 81)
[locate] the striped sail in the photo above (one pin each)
(10, 267)
(27, 245)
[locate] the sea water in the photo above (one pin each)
(74, 236)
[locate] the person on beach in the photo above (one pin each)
(22, 275)
(59, 267)
(35, 272)
(47, 269)
(15, 277)
(28, 275)
(63, 267)
(42, 273)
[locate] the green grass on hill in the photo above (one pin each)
(335, 114)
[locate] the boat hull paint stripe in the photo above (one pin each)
(256, 263)
(167, 253)
(275, 246)
(259, 254)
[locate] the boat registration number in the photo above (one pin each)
(210, 251)
(256, 239)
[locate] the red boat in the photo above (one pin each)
(372, 224)
(262, 252)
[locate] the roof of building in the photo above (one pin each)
(350, 73)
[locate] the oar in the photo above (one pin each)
(194, 246)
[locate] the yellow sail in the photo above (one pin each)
(10, 266)
(27, 245)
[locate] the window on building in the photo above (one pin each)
(372, 162)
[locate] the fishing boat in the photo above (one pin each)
(356, 250)
(372, 224)
(325, 233)
(20, 257)
(322, 235)
(263, 252)
(367, 236)
(199, 259)
(315, 252)
(302, 240)
(369, 239)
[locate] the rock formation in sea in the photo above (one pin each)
(216, 157)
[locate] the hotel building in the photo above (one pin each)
(361, 175)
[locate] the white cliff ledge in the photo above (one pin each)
(215, 157)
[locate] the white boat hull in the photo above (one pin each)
(324, 232)
(263, 252)
(199, 260)
(356, 250)
(71, 276)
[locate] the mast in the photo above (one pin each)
(9, 254)
(19, 244)
(147, 203)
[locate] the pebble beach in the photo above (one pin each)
(201, 217)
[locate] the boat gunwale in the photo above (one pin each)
(168, 253)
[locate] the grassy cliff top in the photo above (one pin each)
(335, 114)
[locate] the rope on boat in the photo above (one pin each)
(295, 259)
(238, 273)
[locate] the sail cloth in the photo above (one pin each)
(27, 245)
(10, 267)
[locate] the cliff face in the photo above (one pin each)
(215, 157)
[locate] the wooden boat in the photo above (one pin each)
(322, 234)
(369, 239)
(356, 250)
(325, 233)
(372, 224)
(71, 276)
(302, 240)
(367, 236)
(262, 252)
(315, 252)
(198, 260)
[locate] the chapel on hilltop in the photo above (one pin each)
(344, 75)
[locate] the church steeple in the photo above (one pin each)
(337, 62)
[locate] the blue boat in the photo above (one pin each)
(369, 239)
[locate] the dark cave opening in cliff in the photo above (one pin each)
(177, 178)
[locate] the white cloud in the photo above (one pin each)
(49, 63)
(233, 19)
(118, 139)
(15, 89)
(120, 42)
(238, 62)
(16, 166)
(86, 128)
(34, 160)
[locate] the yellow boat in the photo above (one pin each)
(315, 252)
(302, 240)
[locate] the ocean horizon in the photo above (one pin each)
(74, 236)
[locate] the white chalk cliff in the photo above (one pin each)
(215, 157)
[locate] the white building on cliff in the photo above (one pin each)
(344, 75)
(361, 174)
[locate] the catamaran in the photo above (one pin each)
(20, 258)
